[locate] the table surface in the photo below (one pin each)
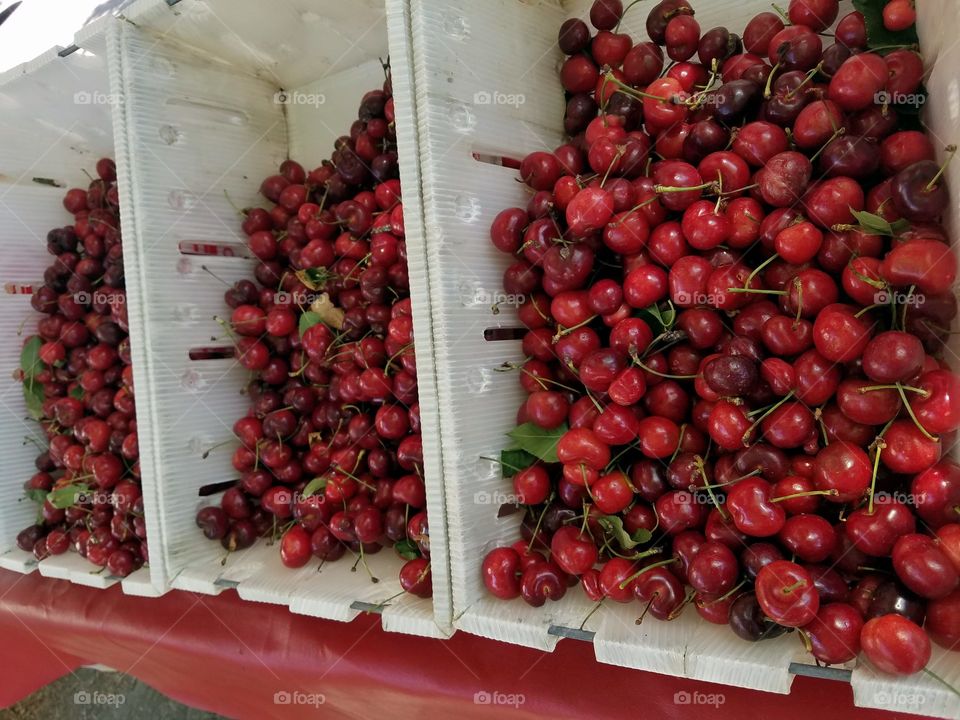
(250, 660)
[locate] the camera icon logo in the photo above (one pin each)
(282, 697)
(82, 98)
(482, 697)
(81, 697)
(681, 697)
(482, 98)
(482, 498)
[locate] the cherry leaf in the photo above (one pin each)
(66, 496)
(613, 525)
(318, 484)
(407, 549)
(308, 320)
(538, 442)
(513, 460)
(872, 224)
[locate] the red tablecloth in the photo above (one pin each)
(245, 660)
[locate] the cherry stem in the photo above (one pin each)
(796, 586)
(670, 189)
(679, 609)
(951, 151)
(833, 492)
(727, 594)
(920, 391)
(641, 571)
(806, 79)
(781, 13)
(906, 402)
(566, 331)
(837, 133)
(631, 91)
(597, 606)
(868, 308)
(876, 467)
(757, 291)
(756, 271)
(536, 529)
(765, 414)
(768, 88)
(706, 482)
(637, 361)
(639, 620)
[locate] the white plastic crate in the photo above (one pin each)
(56, 122)
(201, 125)
(487, 85)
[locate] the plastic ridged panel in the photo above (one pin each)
(464, 54)
(203, 124)
(56, 124)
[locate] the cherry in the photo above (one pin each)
(899, 15)
(616, 579)
(660, 590)
(295, 547)
(574, 552)
(810, 538)
(892, 357)
(923, 567)
(875, 531)
(817, 15)
(748, 621)
(784, 178)
(843, 468)
(835, 633)
(416, 578)
(574, 36)
(839, 334)
(927, 264)
(786, 593)
(855, 84)
(714, 569)
(936, 494)
(943, 619)
(906, 449)
(895, 645)
(542, 581)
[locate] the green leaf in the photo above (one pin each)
(308, 320)
(660, 318)
(877, 35)
(315, 486)
(66, 496)
(77, 393)
(513, 460)
(613, 525)
(36, 495)
(872, 224)
(538, 442)
(314, 278)
(30, 362)
(33, 397)
(900, 226)
(407, 549)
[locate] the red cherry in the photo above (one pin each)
(895, 645)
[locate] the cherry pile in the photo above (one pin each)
(330, 456)
(78, 383)
(736, 290)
